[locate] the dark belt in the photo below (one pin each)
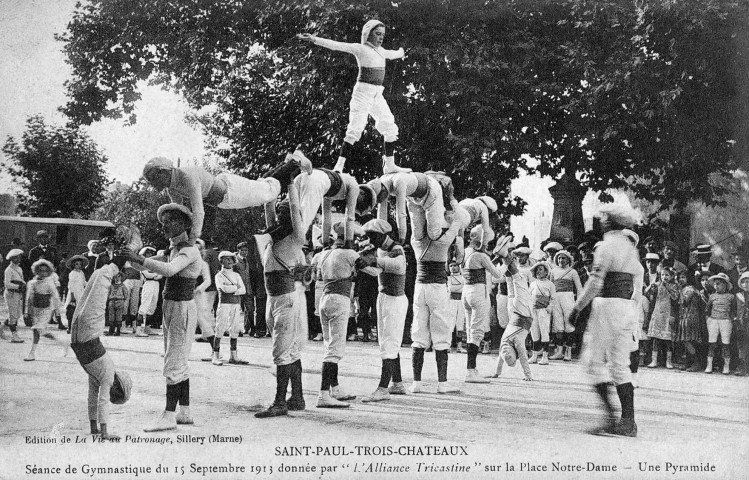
(565, 285)
(41, 300)
(422, 187)
(456, 296)
(279, 282)
(373, 76)
(336, 182)
(393, 284)
(474, 276)
(87, 352)
(228, 298)
(503, 289)
(340, 286)
(179, 289)
(217, 192)
(618, 285)
(431, 272)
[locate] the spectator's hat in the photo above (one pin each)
(144, 250)
(226, 253)
(16, 252)
(508, 354)
(669, 243)
(173, 207)
(652, 256)
(744, 276)
(583, 246)
(157, 163)
(92, 244)
(536, 266)
(490, 203)
(121, 388)
(571, 248)
(560, 254)
(722, 276)
(41, 233)
(553, 246)
(42, 263)
(504, 243)
(377, 225)
(703, 249)
(77, 258)
(241, 245)
(649, 239)
(523, 251)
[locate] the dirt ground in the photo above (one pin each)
(509, 428)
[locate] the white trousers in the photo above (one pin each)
(14, 300)
(455, 309)
(245, 193)
(564, 302)
(334, 313)
(503, 312)
(426, 212)
(432, 323)
(717, 327)
(229, 318)
(391, 319)
(149, 297)
(515, 336)
(204, 303)
(608, 339)
(286, 317)
(180, 319)
(476, 305)
(541, 323)
(366, 101)
(100, 380)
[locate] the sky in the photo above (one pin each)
(32, 82)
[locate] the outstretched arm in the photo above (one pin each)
(330, 44)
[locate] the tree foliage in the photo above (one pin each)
(640, 94)
(60, 170)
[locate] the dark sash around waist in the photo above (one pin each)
(41, 300)
(179, 289)
(373, 76)
(217, 192)
(336, 182)
(564, 285)
(340, 286)
(392, 284)
(279, 282)
(618, 285)
(474, 276)
(228, 298)
(503, 288)
(422, 187)
(431, 272)
(87, 352)
(456, 295)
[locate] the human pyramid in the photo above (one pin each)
(438, 223)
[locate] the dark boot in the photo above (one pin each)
(417, 362)
(279, 404)
(609, 423)
(296, 400)
(626, 426)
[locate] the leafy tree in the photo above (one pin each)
(60, 170)
(640, 94)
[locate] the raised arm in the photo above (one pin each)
(486, 262)
(352, 195)
(352, 48)
(296, 214)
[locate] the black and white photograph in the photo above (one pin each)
(376, 239)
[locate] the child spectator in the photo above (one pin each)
(76, 284)
(567, 285)
(742, 324)
(663, 318)
(543, 294)
(455, 284)
(228, 315)
(13, 294)
(149, 296)
(721, 310)
(691, 327)
(42, 301)
(116, 304)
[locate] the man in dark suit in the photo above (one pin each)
(42, 250)
(105, 257)
(739, 267)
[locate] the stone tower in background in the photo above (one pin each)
(567, 224)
